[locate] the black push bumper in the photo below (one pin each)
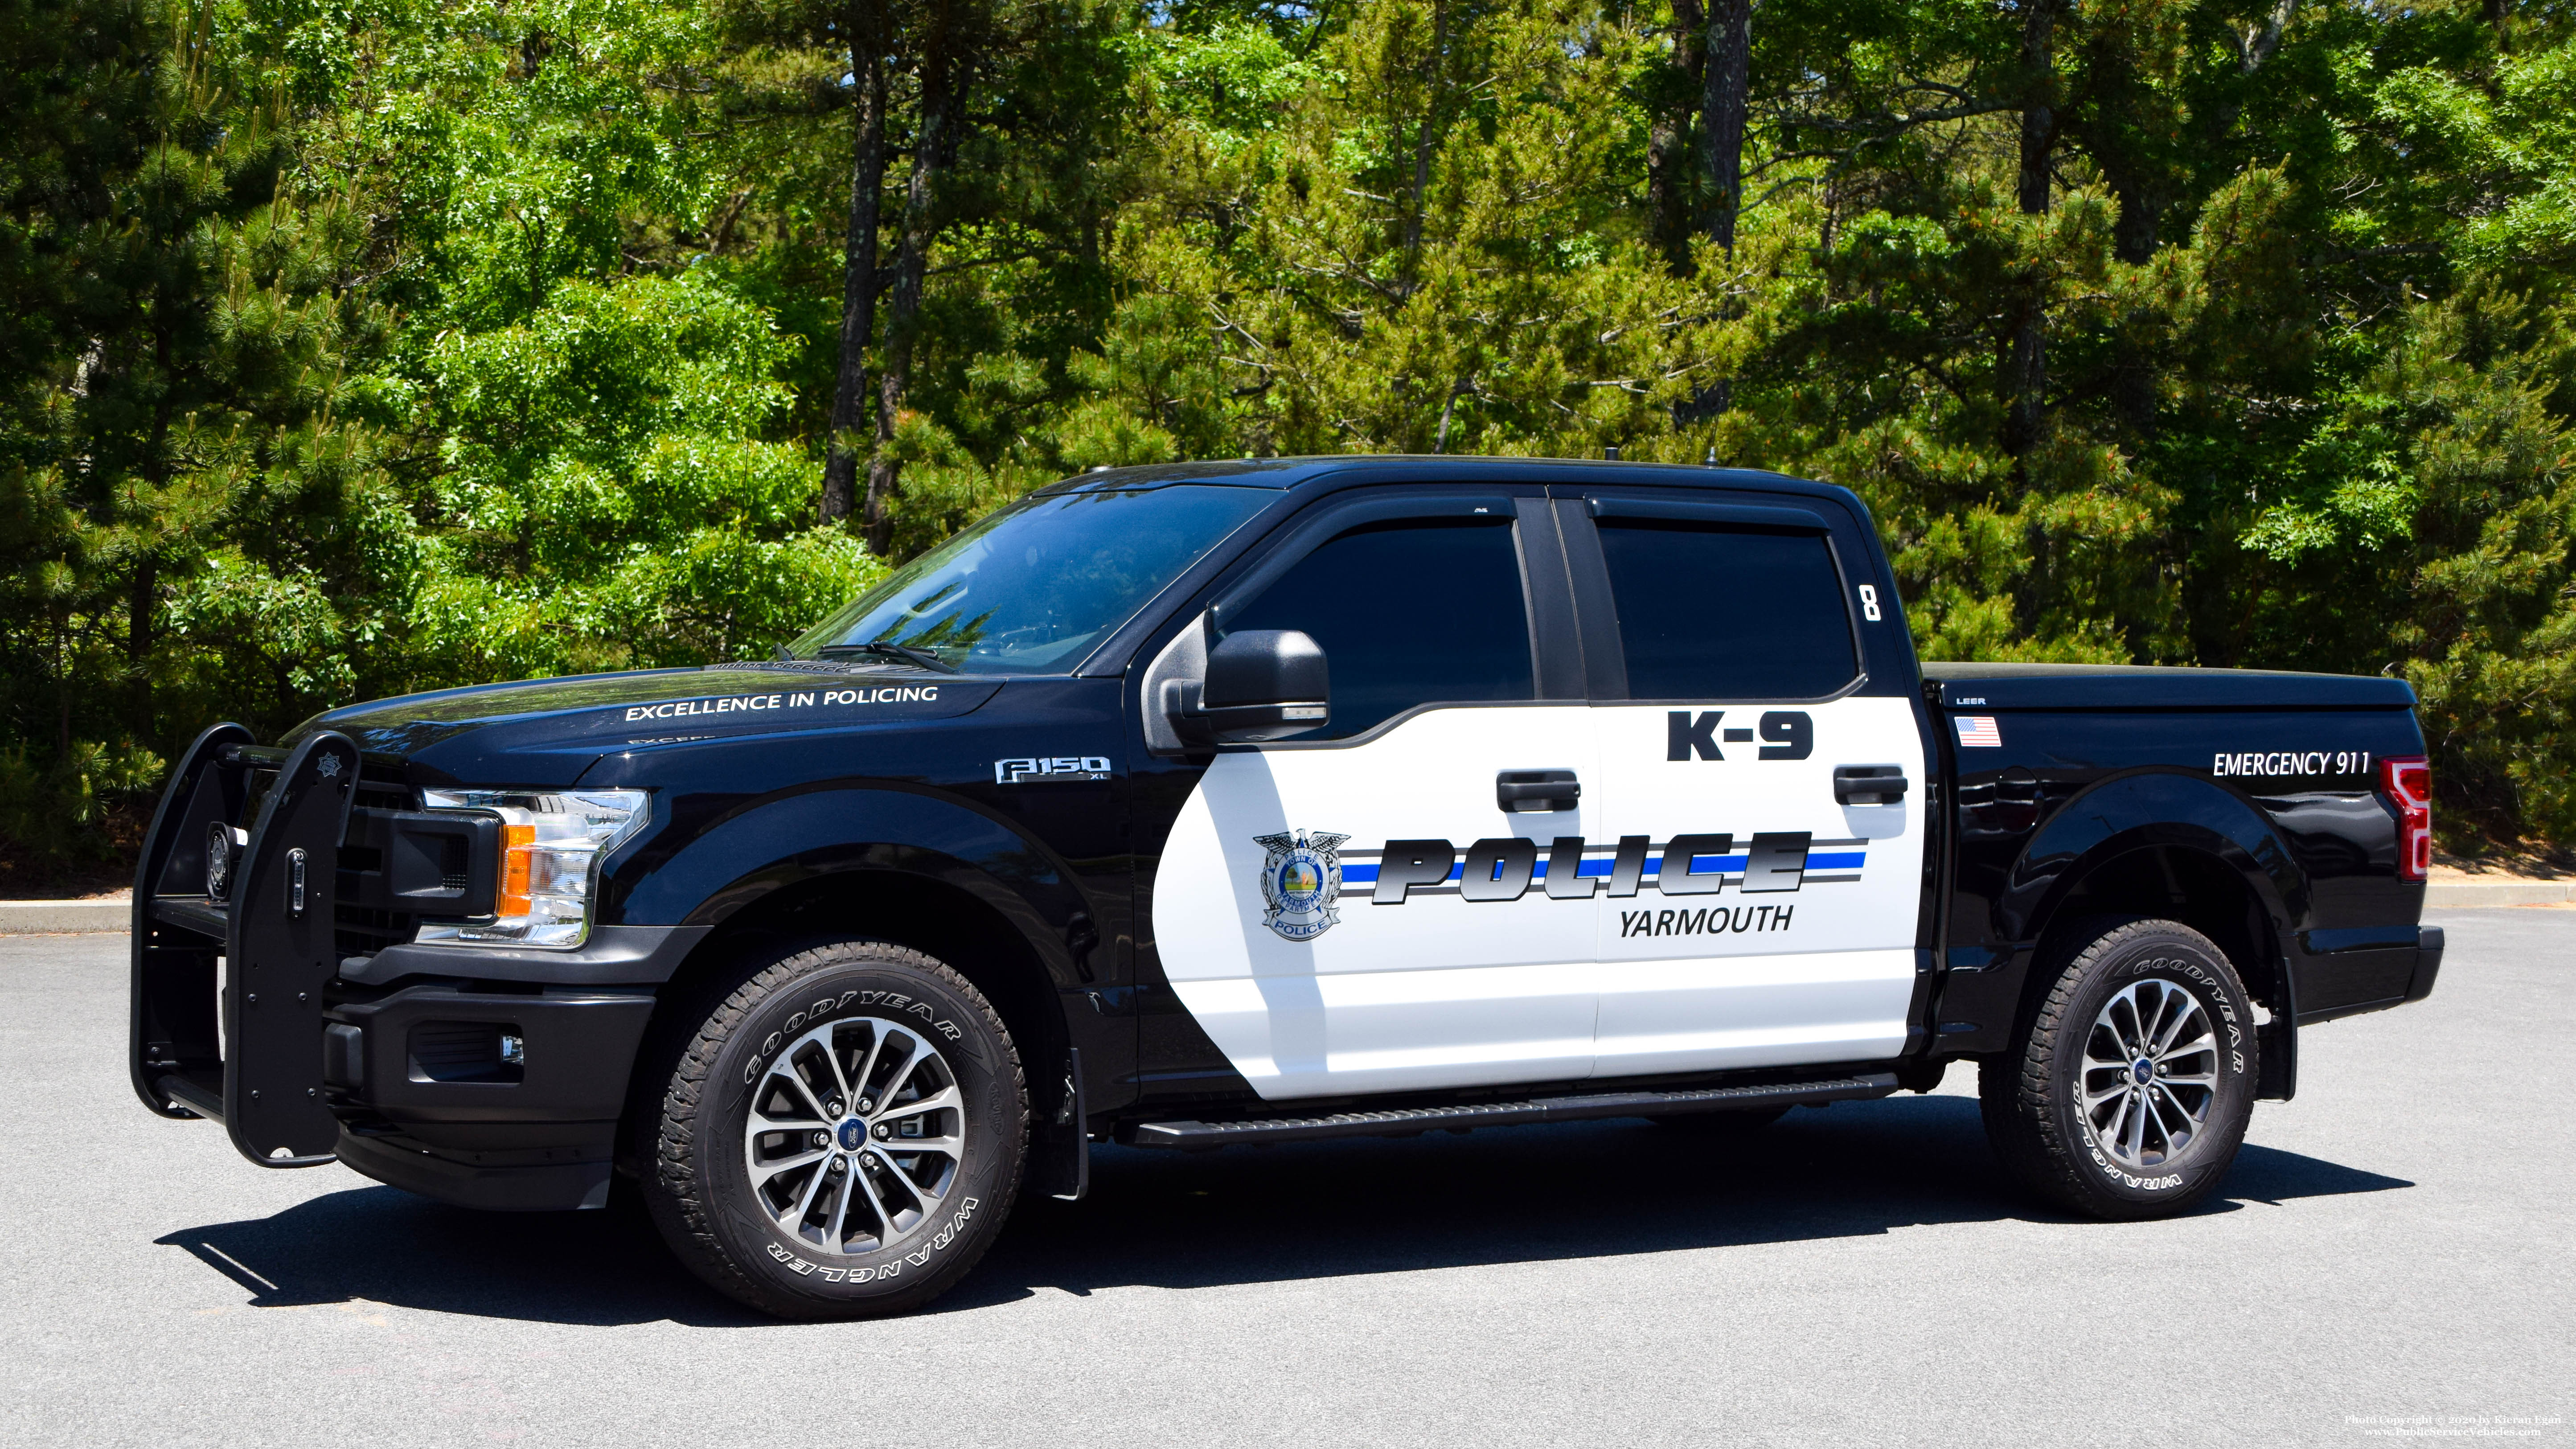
(503, 1096)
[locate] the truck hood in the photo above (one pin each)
(546, 732)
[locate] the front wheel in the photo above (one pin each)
(842, 1136)
(2127, 1093)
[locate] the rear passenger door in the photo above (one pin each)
(1756, 911)
(1355, 911)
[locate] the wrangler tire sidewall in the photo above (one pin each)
(705, 1200)
(2032, 1096)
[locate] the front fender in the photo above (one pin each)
(778, 841)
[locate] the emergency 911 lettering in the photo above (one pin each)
(2292, 762)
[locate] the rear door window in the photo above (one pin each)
(1714, 610)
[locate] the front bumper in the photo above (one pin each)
(486, 1099)
(498, 1083)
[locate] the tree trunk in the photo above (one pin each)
(1725, 100)
(2027, 372)
(1668, 192)
(2133, 240)
(942, 95)
(858, 259)
(1725, 97)
(1425, 135)
(138, 642)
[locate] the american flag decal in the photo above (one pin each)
(1979, 729)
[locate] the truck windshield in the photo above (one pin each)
(1037, 586)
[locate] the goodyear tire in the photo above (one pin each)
(2129, 1088)
(842, 1135)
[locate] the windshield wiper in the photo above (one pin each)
(881, 649)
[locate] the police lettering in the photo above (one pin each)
(1506, 868)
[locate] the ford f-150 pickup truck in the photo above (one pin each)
(1264, 801)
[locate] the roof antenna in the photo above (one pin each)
(1711, 460)
(1611, 453)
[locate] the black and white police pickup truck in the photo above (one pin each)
(1259, 802)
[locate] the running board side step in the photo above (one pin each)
(1413, 1121)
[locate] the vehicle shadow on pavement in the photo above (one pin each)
(383, 1245)
(1535, 1194)
(1246, 1215)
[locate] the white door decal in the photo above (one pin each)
(1322, 965)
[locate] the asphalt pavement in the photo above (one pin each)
(2392, 1258)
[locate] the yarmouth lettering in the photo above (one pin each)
(1714, 921)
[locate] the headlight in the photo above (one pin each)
(551, 847)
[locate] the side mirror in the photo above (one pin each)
(1264, 684)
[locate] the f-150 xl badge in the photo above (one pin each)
(1060, 767)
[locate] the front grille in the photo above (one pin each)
(356, 930)
(360, 930)
(363, 931)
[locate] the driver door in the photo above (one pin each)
(1355, 910)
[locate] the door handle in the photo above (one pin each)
(1535, 792)
(1869, 784)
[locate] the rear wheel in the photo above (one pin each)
(2128, 1092)
(842, 1136)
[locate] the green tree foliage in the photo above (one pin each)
(391, 344)
(186, 522)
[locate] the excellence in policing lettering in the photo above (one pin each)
(795, 699)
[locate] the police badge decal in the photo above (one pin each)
(1300, 881)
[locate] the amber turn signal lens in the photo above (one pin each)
(518, 852)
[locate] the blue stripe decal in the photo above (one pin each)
(1836, 860)
(1361, 873)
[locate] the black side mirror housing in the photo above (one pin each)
(1265, 684)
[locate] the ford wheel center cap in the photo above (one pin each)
(854, 1135)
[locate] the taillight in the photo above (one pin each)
(2408, 784)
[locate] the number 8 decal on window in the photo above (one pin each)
(1869, 602)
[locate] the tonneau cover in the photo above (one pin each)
(2132, 686)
